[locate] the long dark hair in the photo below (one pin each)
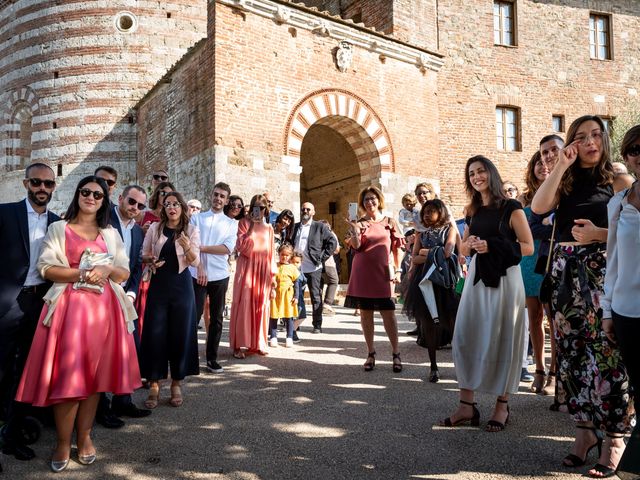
(286, 213)
(153, 201)
(498, 198)
(183, 223)
(104, 211)
(603, 171)
(531, 181)
(227, 207)
(436, 205)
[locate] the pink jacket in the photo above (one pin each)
(154, 241)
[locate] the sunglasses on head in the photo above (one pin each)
(172, 205)
(162, 178)
(36, 182)
(97, 195)
(634, 151)
(132, 202)
(109, 182)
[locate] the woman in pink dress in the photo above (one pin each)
(254, 281)
(377, 240)
(83, 343)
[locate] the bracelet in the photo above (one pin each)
(83, 275)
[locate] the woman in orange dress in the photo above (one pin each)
(83, 343)
(254, 281)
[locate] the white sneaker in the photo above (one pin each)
(289, 342)
(273, 342)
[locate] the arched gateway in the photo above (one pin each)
(342, 146)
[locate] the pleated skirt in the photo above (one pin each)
(488, 335)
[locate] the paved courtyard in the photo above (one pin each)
(311, 412)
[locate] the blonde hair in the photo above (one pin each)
(409, 197)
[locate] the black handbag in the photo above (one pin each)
(629, 466)
(546, 287)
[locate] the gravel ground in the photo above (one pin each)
(311, 412)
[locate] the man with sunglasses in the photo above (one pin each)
(218, 235)
(158, 176)
(131, 202)
(23, 226)
(317, 243)
(110, 176)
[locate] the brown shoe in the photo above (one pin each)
(550, 386)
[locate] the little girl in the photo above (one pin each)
(284, 300)
(436, 318)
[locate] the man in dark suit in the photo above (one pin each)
(23, 226)
(316, 243)
(132, 201)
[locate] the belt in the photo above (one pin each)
(33, 288)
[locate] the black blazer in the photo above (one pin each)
(14, 248)
(321, 243)
(135, 254)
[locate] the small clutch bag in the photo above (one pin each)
(88, 261)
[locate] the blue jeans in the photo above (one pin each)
(273, 327)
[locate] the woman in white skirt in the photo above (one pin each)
(487, 340)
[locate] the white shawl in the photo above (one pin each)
(53, 254)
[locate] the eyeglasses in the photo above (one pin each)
(109, 182)
(97, 195)
(584, 140)
(163, 193)
(634, 151)
(172, 205)
(370, 200)
(132, 202)
(236, 205)
(162, 178)
(305, 209)
(36, 182)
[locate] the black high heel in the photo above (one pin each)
(434, 376)
(603, 470)
(397, 367)
(474, 420)
(498, 426)
(370, 365)
(575, 460)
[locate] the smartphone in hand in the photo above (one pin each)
(255, 213)
(353, 212)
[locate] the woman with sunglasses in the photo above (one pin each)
(254, 283)
(235, 208)
(149, 217)
(592, 379)
(170, 336)
(83, 343)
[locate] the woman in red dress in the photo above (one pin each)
(83, 343)
(377, 240)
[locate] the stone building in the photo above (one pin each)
(309, 100)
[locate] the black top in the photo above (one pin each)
(492, 221)
(168, 252)
(587, 200)
(492, 224)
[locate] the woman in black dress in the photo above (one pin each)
(170, 333)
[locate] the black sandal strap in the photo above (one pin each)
(614, 435)
(499, 400)
(540, 372)
(471, 404)
(371, 354)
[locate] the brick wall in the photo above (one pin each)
(80, 76)
(549, 72)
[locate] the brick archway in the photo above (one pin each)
(350, 116)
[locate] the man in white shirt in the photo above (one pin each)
(218, 235)
(23, 226)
